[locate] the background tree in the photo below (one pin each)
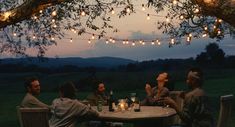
(213, 55)
(36, 23)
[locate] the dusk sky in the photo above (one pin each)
(135, 26)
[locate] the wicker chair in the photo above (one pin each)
(33, 117)
(225, 110)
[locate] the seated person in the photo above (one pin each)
(156, 94)
(98, 94)
(32, 86)
(67, 110)
(195, 112)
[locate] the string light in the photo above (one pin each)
(89, 41)
(158, 42)
(218, 32)
(205, 28)
(153, 43)
(71, 40)
(40, 11)
(214, 26)
(220, 20)
(181, 17)
(128, 10)
(143, 43)
(14, 34)
(107, 41)
(112, 11)
(172, 41)
(167, 20)
(196, 10)
(174, 2)
(83, 13)
(133, 44)
(53, 13)
(148, 17)
(55, 26)
(53, 20)
(35, 17)
(204, 35)
(143, 8)
(34, 37)
(93, 36)
(52, 38)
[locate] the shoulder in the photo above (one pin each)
(165, 89)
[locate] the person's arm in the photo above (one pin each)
(85, 111)
(150, 100)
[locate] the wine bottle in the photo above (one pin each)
(111, 101)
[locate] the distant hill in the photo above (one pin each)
(75, 61)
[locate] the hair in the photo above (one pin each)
(68, 90)
(28, 81)
(170, 83)
(96, 85)
(199, 74)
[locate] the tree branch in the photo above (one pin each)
(223, 9)
(26, 11)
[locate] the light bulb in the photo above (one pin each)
(53, 13)
(83, 13)
(71, 40)
(128, 10)
(148, 17)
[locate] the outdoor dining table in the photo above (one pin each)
(148, 116)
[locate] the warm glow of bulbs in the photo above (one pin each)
(128, 10)
(174, 2)
(112, 12)
(14, 34)
(83, 13)
(181, 17)
(196, 10)
(148, 17)
(89, 41)
(167, 20)
(53, 20)
(71, 40)
(6, 15)
(204, 35)
(53, 13)
(143, 8)
(40, 11)
(93, 37)
(172, 41)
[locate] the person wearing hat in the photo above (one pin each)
(195, 111)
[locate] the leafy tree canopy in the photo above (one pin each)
(22, 22)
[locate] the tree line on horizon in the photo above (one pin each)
(212, 57)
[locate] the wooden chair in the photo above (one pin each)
(225, 110)
(179, 101)
(33, 117)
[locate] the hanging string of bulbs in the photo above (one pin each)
(133, 42)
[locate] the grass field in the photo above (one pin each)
(217, 83)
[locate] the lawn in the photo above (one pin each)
(217, 83)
